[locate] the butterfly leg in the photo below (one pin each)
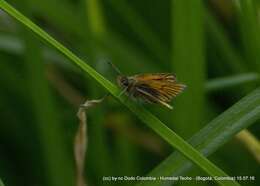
(122, 92)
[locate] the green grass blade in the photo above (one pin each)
(231, 81)
(1, 183)
(58, 165)
(223, 43)
(244, 113)
(250, 29)
(188, 53)
(95, 17)
(153, 122)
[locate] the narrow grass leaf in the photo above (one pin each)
(241, 115)
(1, 183)
(58, 165)
(250, 142)
(250, 29)
(81, 140)
(95, 17)
(231, 81)
(223, 43)
(188, 53)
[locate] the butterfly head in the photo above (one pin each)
(124, 81)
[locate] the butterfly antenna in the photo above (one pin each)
(114, 67)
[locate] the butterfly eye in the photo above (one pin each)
(125, 81)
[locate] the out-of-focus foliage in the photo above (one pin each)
(202, 42)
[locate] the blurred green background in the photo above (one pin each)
(212, 46)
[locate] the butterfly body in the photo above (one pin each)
(159, 88)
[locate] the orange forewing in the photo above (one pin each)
(164, 83)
